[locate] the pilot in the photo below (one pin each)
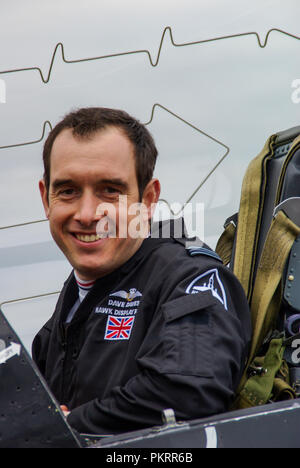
(144, 322)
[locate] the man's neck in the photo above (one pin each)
(83, 279)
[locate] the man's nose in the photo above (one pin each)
(86, 209)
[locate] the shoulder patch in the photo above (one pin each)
(209, 281)
(194, 250)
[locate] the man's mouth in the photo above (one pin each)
(87, 237)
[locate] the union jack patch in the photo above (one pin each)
(118, 328)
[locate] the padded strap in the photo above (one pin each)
(264, 304)
(249, 216)
(267, 292)
(225, 243)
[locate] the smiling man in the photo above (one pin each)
(85, 172)
(142, 323)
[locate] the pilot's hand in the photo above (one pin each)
(65, 410)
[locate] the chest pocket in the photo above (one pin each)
(188, 335)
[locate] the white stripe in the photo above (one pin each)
(211, 437)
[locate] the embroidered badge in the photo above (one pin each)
(120, 303)
(209, 281)
(118, 328)
(129, 296)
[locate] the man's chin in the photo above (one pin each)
(90, 267)
(103, 260)
(89, 273)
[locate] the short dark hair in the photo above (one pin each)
(89, 120)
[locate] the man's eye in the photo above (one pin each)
(111, 190)
(66, 192)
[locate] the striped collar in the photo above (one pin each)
(83, 286)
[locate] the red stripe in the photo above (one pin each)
(85, 285)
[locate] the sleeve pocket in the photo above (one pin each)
(188, 335)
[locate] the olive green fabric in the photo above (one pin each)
(249, 215)
(265, 377)
(268, 382)
(266, 296)
(225, 243)
(265, 306)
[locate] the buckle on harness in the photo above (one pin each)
(232, 220)
(290, 207)
(256, 371)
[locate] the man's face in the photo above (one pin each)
(85, 173)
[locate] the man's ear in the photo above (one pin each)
(44, 196)
(151, 196)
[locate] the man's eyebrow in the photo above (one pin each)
(56, 184)
(115, 181)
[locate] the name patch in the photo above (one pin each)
(120, 308)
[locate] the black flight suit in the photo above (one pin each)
(168, 329)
